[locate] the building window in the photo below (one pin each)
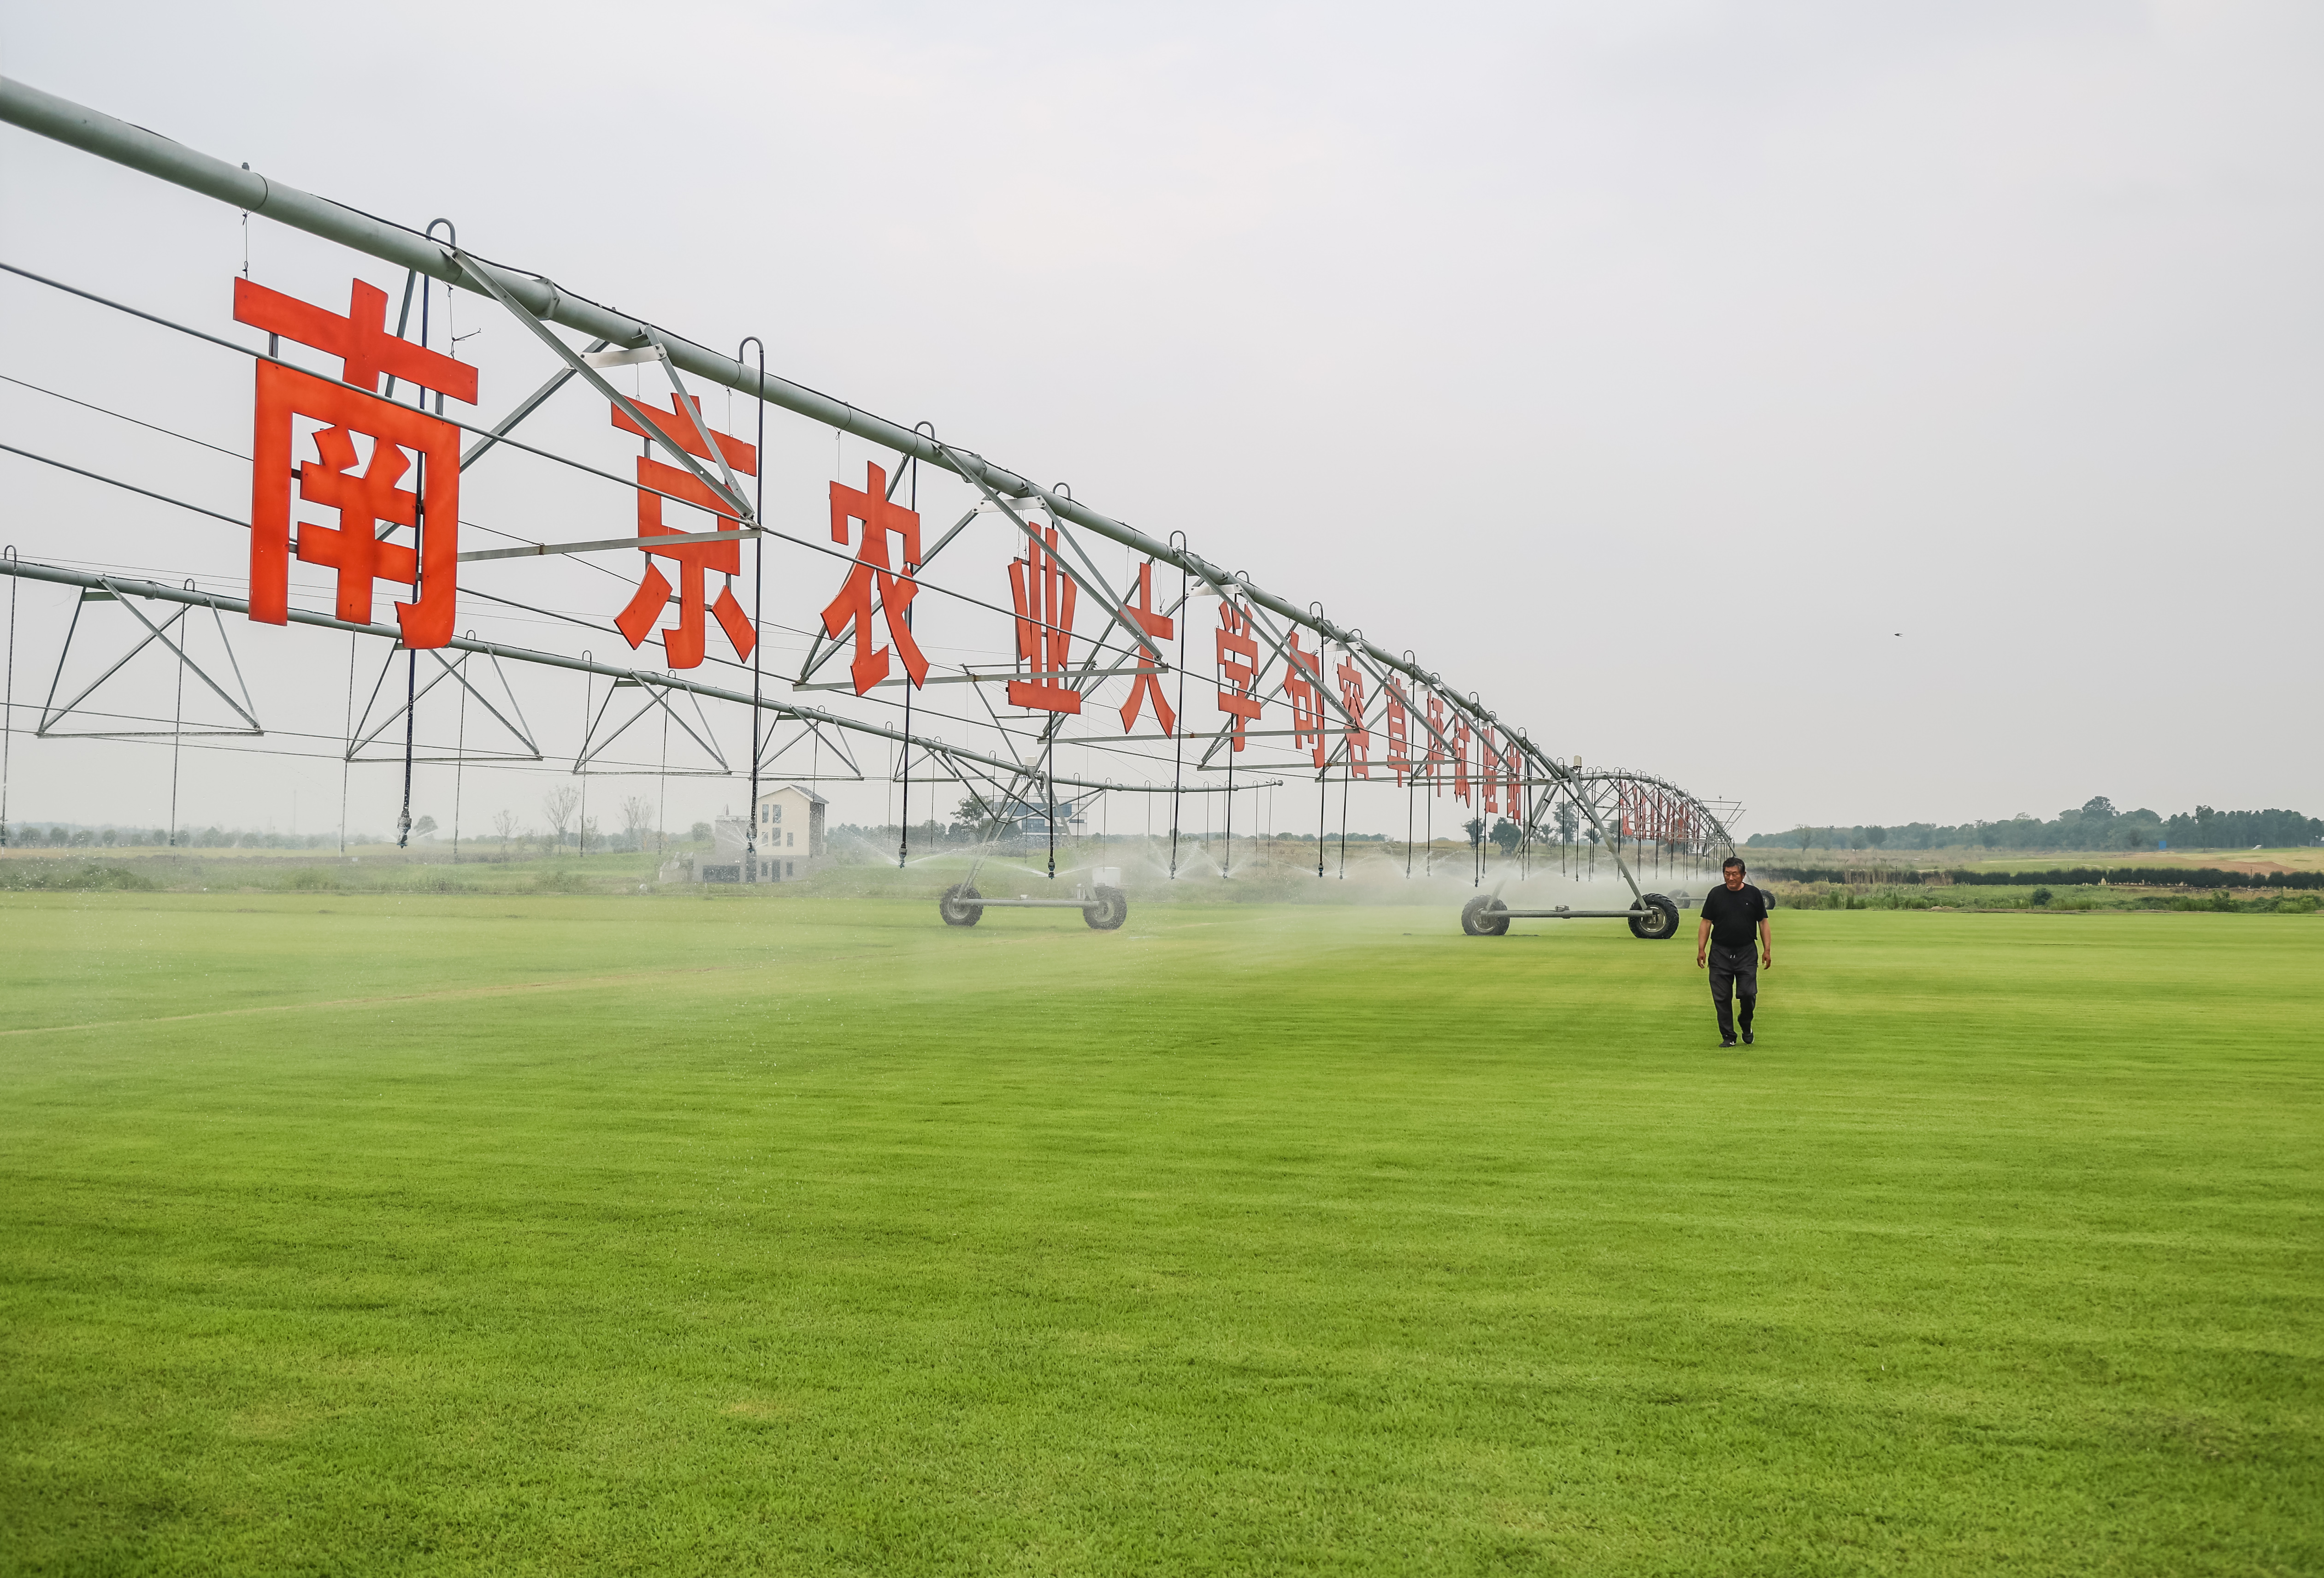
(794, 865)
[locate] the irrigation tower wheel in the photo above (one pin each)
(1111, 909)
(1654, 918)
(956, 913)
(1485, 917)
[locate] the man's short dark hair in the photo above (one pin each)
(1733, 859)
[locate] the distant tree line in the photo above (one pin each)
(2077, 876)
(2094, 824)
(34, 836)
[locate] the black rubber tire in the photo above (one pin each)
(1111, 909)
(1485, 917)
(958, 914)
(1654, 918)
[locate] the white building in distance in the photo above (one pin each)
(791, 841)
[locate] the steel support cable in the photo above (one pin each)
(1226, 861)
(107, 137)
(1188, 563)
(1179, 729)
(493, 434)
(523, 409)
(348, 753)
(304, 734)
(183, 504)
(418, 520)
(719, 485)
(8, 704)
(904, 814)
(758, 631)
(176, 744)
(1347, 779)
(233, 521)
(1323, 810)
(465, 524)
(122, 416)
(126, 487)
(459, 769)
(195, 742)
(548, 659)
(236, 520)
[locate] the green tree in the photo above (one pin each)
(1507, 834)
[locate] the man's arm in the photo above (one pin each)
(1702, 937)
(1767, 942)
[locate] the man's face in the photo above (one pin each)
(1734, 876)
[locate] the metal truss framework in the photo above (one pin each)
(1621, 808)
(504, 710)
(104, 589)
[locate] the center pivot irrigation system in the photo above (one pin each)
(358, 469)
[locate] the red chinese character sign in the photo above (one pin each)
(1399, 733)
(873, 577)
(683, 641)
(1303, 688)
(1351, 702)
(1148, 687)
(1238, 668)
(1044, 595)
(403, 442)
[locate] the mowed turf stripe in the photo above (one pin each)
(1307, 1246)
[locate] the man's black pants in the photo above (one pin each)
(1734, 972)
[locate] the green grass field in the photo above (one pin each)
(2300, 858)
(578, 1234)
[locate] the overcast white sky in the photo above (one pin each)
(1645, 367)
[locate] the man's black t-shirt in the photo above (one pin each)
(1734, 916)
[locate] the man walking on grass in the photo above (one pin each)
(1728, 914)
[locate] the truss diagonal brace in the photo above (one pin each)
(51, 715)
(1100, 591)
(524, 408)
(693, 414)
(572, 358)
(447, 668)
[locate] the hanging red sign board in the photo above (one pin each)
(401, 439)
(685, 642)
(874, 573)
